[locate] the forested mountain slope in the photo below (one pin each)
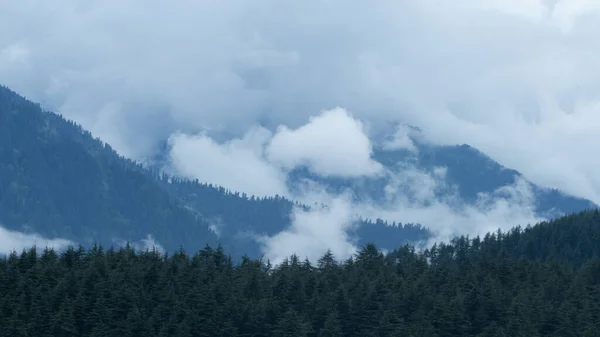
(58, 181)
(540, 281)
(55, 179)
(572, 239)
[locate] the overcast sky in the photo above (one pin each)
(266, 85)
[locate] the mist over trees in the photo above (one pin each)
(58, 181)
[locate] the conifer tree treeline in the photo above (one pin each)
(538, 281)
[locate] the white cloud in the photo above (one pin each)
(331, 144)
(216, 225)
(14, 55)
(408, 186)
(238, 164)
(17, 241)
(413, 196)
(148, 243)
(427, 198)
(401, 140)
(313, 232)
(502, 76)
(566, 12)
(449, 216)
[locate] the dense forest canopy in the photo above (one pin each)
(537, 281)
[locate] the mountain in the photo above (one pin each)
(536, 281)
(467, 173)
(238, 217)
(58, 181)
(473, 172)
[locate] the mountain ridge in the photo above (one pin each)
(467, 174)
(84, 191)
(57, 180)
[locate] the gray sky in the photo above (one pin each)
(517, 79)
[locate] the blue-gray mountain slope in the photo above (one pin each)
(58, 181)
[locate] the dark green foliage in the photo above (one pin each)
(500, 285)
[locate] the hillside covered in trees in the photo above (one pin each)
(536, 281)
(59, 181)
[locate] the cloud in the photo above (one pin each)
(519, 80)
(148, 243)
(18, 241)
(238, 164)
(331, 144)
(216, 225)
(447, 216)
(408, 185)
(313, 232)
(412, 196)
(401, 140)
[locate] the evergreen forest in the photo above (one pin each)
(542, 280)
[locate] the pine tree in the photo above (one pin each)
(332, 327)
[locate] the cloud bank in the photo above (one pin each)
(232, 84)
(315, 231)
(331, 144)
(516, 79)
(18, 241)
(335, 144)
